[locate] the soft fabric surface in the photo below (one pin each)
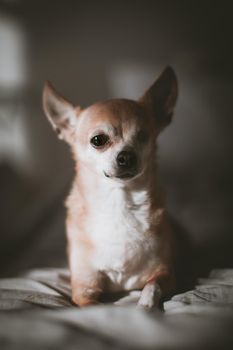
(37, 313)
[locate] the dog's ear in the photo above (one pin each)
(61, 113)
(161, 98)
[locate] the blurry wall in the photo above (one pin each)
(98, 50)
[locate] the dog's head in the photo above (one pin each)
(116, 138)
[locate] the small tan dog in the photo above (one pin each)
(118, 234)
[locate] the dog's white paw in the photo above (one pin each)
(145, 304)
(150, 296)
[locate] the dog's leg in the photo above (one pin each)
(86, 282)
(150, 295)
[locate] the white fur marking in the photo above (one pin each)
(124, 250)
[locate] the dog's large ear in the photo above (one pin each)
(161, 98)
(61, 113)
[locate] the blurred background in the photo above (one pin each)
(94, 50)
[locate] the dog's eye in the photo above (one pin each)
(142, 136)
(99, 140)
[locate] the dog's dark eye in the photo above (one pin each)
(142, 136)
(99, 140)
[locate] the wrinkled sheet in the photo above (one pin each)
(36, 312)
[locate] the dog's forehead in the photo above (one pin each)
(115, 112)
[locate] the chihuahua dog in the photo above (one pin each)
(119, 237)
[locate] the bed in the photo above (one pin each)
(36, 312)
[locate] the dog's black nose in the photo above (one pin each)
(127, 159)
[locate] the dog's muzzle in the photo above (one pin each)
(126, 165)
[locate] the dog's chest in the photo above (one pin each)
(119, 230)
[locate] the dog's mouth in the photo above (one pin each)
(125, 176)
(122, 176)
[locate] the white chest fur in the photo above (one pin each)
(118, 226)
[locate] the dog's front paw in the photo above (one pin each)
(150, 296)
(145, 304)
